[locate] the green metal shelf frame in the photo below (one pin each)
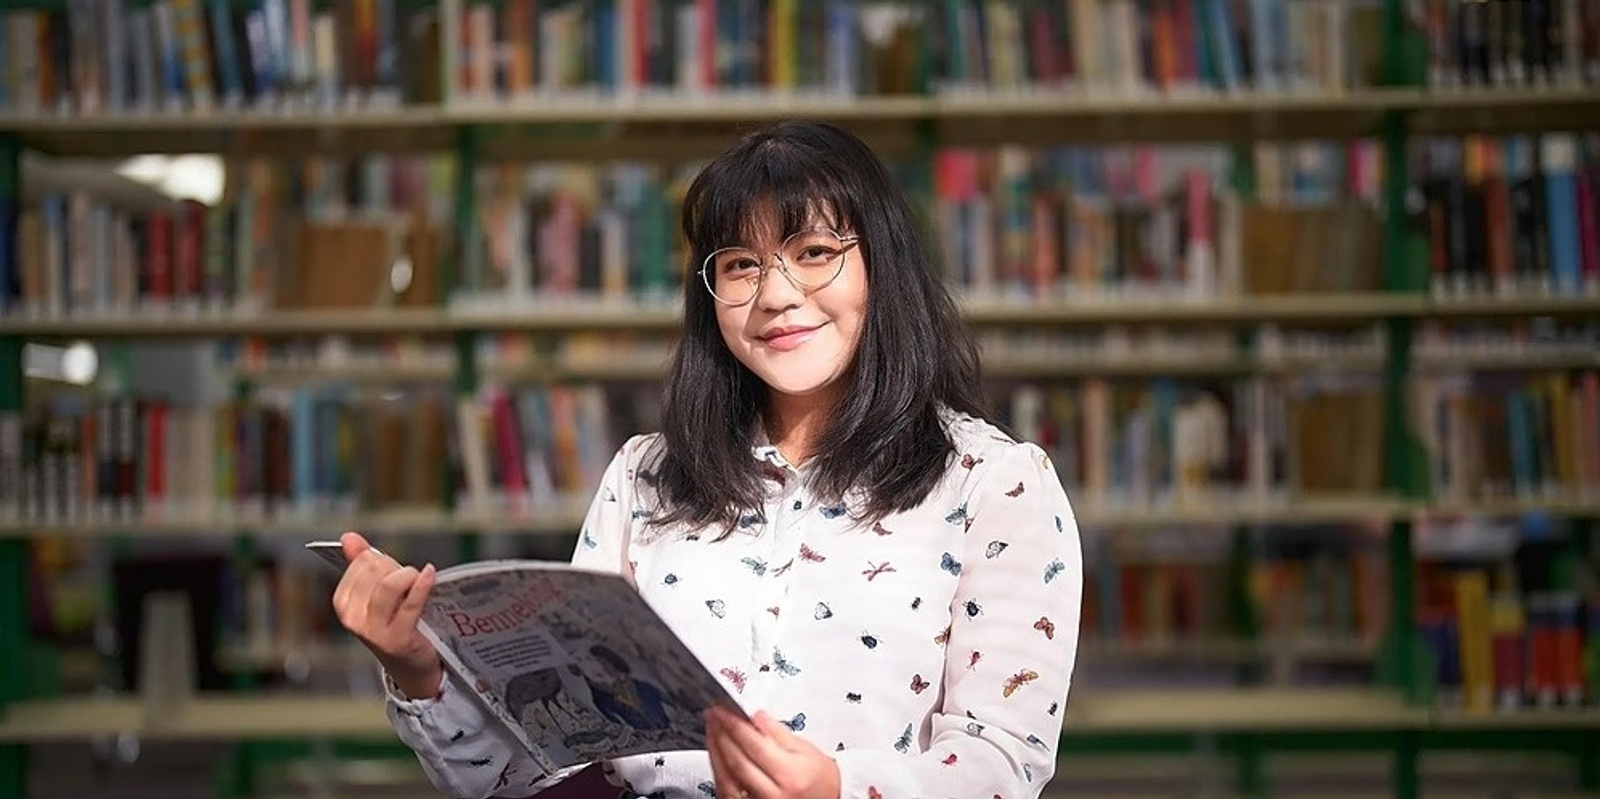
(13, 553)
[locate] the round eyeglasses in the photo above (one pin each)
(810, 259)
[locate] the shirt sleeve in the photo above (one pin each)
(465, 752)
(1011, 651)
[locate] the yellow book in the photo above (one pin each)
(1473, 638)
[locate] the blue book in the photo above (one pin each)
(1561, 211)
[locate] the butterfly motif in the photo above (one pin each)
(967, 461)
(1027, 772)
(973, 608)
(1035, 740)
(974, 728)
(589, 541)
(943, 637)
(1054, 706)
(874, 569)
(872, 791)
(640, 513)
(949, 760)
(916, 603)
(1047, 626)
(958, 515)
(972, 662)
(809, 554)
(749, 520)
(994, 549)
(774, 611)
(783, 666)
(869, 640)
(736, 678)
(797, 723)
(670, 579)
(707, 788)
(1018, 680)
(661, 762)
(822, 611)
(717, 607)
(852, 697)
(1059, 527)
(607, 495)
(457, 736)
(950, 564)
(1054, 570)
(832, 511)
(756, 565)
(1015, 492)
(877, 527)
(903, 743)
(918, 685)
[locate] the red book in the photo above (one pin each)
(158, 257)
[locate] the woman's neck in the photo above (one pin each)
(793, 424)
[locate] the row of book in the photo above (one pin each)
(91, 57)
(1329, 599)
(1496, 434)
(175, 56)
(1509, 42)
(1505, 633)
(310, 451)
(1514, 212)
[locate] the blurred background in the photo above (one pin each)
(1301, 296)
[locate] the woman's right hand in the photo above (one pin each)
(380, 602)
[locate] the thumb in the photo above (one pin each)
(416, 598)
(353, 544)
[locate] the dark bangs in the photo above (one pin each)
(799, 183)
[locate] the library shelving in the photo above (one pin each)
(1199, 84)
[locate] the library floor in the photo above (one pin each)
(190, 772)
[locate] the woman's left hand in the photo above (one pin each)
(765, 760)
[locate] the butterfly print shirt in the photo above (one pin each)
(929, 653)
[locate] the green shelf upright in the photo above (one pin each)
(13, 551)
(454, 275)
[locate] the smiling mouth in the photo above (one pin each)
(787, 333)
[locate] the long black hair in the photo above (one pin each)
(884, 447)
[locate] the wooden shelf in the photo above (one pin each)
(1226, 650)
(272, 324)
(1325, 308)
(1308, 510)
(1180, 710)
(566, 515)
(677, 125)
(248, 716)
(1500, 307)
(579, 315)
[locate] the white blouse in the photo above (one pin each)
(930, 654)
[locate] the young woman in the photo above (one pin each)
(827, 519)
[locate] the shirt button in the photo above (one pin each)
(797, 504)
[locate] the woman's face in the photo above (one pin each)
(798, 340)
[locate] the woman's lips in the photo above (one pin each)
(788, 338)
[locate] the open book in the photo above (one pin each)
(572, 661)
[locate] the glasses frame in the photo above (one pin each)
(849, 242)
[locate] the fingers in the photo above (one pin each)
(416, 597)
(391, 589)
(735, 773)
(353, 545)
(778, 732)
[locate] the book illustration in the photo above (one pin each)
(574, 662)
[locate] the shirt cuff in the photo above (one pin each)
(410, 706)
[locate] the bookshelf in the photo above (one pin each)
(668, 126)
